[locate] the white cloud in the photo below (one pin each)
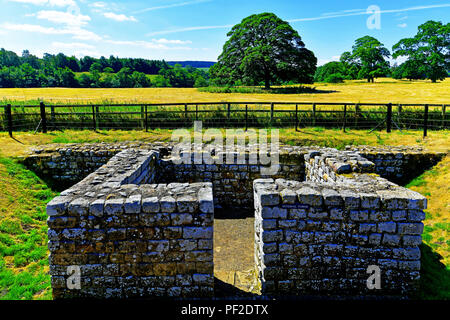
(402, 25)
(174, 5)
(189, 29)
(53, 3)
(358, 13)
(161, 44)
(119, 17)
(63, 17)
(98, 4)
(31, 28)
(72, 45)
(75, 31)
(165, 41)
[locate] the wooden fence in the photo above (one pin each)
(371, 116)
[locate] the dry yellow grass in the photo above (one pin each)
(436, 140)
(434, 184)
(384, 90)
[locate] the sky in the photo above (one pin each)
(177, 30)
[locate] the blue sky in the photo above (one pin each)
(196, 29)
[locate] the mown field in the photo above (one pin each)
(23, 237)
(384, 90)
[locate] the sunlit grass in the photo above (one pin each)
(23, 233)
(384, 90)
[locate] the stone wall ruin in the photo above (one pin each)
(139, 224)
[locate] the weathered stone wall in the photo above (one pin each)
(233, 182)
(399, 164)
(330, 166)
(320, 239)
(67, 164)
(131, 239)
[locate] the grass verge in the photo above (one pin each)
(23, 233)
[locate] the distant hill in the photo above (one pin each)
(194, 64)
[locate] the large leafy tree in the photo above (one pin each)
(369, 55)
(410, 69)
(429, 49)
(331, 68)
(264, 48)
(351, 69)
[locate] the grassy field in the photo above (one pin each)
(384, 90)
(23, 238)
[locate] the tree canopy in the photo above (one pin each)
(264, 48)
(62, 71)
(428, 50)
(369, 55)
(331, 72)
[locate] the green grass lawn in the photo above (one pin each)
(23, 233)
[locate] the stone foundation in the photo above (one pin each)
(130, 239)
(140, 224)
(319, 239)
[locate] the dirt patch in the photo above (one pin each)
(234, 262)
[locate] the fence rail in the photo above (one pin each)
(147, 116)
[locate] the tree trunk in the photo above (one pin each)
(267, 84)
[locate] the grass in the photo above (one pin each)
(23, 233)
(23, 239)
(436, 140)
(435, 281)
(434, 185)
(384, 89)
(259, 90)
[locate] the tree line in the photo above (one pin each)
(265, 50)
(427, 56)
(59, 70)
(261, 50)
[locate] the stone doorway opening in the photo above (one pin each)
(234, 261)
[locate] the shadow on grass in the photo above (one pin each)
(273, 90)
(434, 276)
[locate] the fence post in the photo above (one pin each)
(97, 116)
(443, 116)
(146, 119)
(345, 118)
(314, 114)
(185, 113)
(43, 117)
(142, 117)
(296, 117)
(94, 122)
(9, 118)
(52, 116)
(389, 118)
(246, 117)
(228, 111)
(425, 122)
(196, 112)
(271, 113)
